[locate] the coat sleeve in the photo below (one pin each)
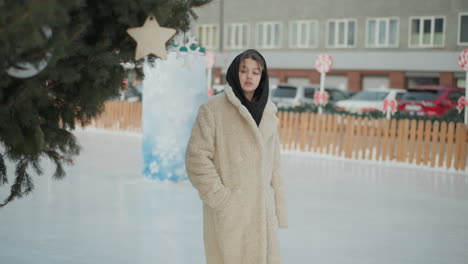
(277, 184)
(199, 161)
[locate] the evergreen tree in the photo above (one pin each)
(81, 43)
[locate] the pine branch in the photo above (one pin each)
(82, 74)
(59, 173)
(25, 15)
(198, 3)
(62, 42)
(23, 183)
(193, 14)
(3, 176)
(36, 166)
(57, 159)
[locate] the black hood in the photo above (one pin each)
(260, 98)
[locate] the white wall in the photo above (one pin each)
(298, 80)
(372, 81)
(338, 81)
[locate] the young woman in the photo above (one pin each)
(233, 160)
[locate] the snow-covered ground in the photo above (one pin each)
(340, 212)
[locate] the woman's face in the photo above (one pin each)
(250, 74)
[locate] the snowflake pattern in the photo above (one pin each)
(174, 89)
(154, 168)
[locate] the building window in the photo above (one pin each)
(427, 32)
(375, 82)
(413, 82)
(461, 83)
(237, 36)
(342, 33)
(208, 36)
(382, 32)
(303, 34)
(463, 29)
(338, 80)
(269, 35)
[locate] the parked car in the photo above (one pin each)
(287, 95)
(350, 93)
(429, 100)
(368, 100)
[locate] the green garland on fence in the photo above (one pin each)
(451, 116)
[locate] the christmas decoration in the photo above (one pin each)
(210, 60)
(321, 98)
(75, 71)
(323, 64)
(151, 38)
(28, 69)
(389, 107)
(463, 62)
(450, 116)
(173, 90)
(462, 103)
(210, 91)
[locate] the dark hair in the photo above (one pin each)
(253, 54)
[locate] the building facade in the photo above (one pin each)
(378, 43)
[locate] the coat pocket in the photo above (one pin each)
(271, 206)
(231, 209)
(229, 221)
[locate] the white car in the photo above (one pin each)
(288, 95)
(368, 100)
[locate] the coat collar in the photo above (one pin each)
(269, 122)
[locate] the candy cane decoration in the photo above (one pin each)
(209, 63)
(321, 98)
(210, 91)
(209, 59)
(463, 63)
(389, 107)
(462, 103)
(323, 64)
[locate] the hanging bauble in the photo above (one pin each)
(27, 69)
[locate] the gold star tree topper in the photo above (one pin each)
(151, 38)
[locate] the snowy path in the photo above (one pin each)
(340, 212)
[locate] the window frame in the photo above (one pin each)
(273, 46)
(346, 20)
(309, 23)
(459, 29)
(214, 44)
(240, 26)
(377, 31)
(422, 18)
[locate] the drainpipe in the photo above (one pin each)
(221, 25)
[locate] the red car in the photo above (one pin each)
(429, 100)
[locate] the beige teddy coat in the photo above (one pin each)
(235, 166)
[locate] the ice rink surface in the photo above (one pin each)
(340, 212)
